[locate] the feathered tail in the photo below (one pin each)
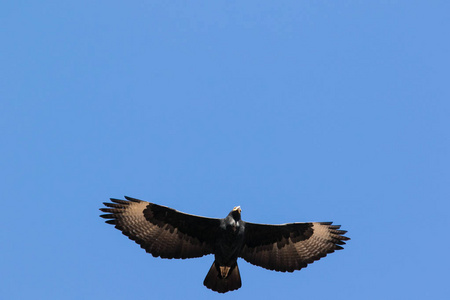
(223, 279)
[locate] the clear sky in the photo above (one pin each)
(295, 110)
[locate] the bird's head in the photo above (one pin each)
(235, 213)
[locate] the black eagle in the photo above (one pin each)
(167, 233)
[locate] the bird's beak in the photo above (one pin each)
(238, 209)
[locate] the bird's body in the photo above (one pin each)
(224, 273)
(168, 233)
(230, 238)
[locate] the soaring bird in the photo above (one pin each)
(167, 233)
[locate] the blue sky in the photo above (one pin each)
(295, 110)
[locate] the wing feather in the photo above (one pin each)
(290, 247)
(160, 230)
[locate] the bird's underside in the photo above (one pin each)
(167, 233)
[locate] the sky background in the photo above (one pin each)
(295, 110)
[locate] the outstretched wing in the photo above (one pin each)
(290, 247)
(160, 230)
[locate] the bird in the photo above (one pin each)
(167, 233)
